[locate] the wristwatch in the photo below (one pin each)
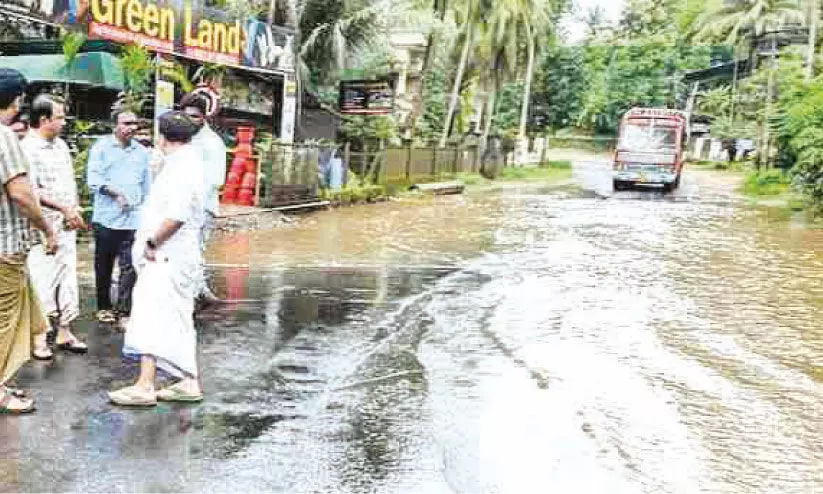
(151, 244)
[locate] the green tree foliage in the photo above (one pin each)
(801, 131)
(430, 124)
(640, 64)
(560, 86)
(507, 114)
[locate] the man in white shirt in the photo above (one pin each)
(213, 150)
(55, 276)
(161, 329)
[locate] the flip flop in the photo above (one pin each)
(74, 346)
(4, 404)
(173, 393)
(132, 397)
(18, 393)
(42, 356)
(106, 316)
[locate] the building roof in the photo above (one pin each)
(96, 69)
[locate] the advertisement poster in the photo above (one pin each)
(374, 97)
(182, 27)
(289, 110)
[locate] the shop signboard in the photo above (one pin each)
(182, 27)
(366, 97)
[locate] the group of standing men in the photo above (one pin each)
(154, 220)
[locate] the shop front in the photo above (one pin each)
(245, 63)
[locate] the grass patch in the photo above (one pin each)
(356, 194)
(735, 166)
(768, 183)
(553, 171)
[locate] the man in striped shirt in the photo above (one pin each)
(21, 320)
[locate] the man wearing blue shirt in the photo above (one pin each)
(119, 179)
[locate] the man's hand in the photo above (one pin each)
(51, 242)
(150, 254)
(74, 218)
(122, 202)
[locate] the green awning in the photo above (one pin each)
(97, 69)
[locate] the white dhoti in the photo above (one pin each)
(162, 323)
(54, 278)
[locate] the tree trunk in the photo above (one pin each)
(417, 107)
(490, 169)
(487, 125)
(524, 110)
(458, 79)
(734, 85)
(766, 144)
(272, 10)
(813, 18)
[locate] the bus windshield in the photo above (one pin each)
(642, 137)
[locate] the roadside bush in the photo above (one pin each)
(767, 183)
(801, 133)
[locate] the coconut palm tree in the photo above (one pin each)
(535, 17)
(812, 18)
(439, 10)
(471, 22)
(750, 20)
(493, 33)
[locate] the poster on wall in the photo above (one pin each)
(289, 110)
(183, 27)
(366, 97)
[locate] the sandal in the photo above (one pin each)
(11, 386)
(106, 316)
(42, 356)
(175, 393)
(73, 345)
(17, 392)
(6, 400)
(131, 396)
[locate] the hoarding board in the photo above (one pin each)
(366, 97)
(182, 27)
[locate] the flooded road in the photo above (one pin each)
(534, 339)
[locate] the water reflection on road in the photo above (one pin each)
(535, 339)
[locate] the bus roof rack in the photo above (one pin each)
(654, 113)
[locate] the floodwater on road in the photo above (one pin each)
(532, 339)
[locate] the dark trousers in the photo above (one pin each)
(108, 245)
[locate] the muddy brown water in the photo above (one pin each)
(532, 339)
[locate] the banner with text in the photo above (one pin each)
(182, 27)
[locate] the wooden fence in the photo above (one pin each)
(291, 173)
